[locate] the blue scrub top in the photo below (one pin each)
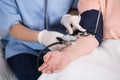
(34, 14)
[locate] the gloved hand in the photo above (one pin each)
(49, 37)
(71, 22)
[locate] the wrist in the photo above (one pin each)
(36, 35)
(70, 56)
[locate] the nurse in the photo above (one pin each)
(31, 26)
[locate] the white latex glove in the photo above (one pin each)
(49, 37)
(71, 22)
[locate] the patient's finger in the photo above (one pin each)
(47, 70)
(42, 67)
(49, 67)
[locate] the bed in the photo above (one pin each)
(5, 72)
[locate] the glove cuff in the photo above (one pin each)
(40, 36)
(66, 15)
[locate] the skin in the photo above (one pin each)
(18, 30)
(55, 61)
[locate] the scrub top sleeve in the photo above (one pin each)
(84, 5)
(9, 14)
(74, 4)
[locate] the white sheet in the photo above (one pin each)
(102, 64)
(5, 72)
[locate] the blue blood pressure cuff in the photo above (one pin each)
(89, 20)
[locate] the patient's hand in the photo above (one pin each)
(54, 61)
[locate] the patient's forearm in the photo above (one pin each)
(83, 46)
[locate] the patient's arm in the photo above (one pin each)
(83, 46)
(55, 61)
